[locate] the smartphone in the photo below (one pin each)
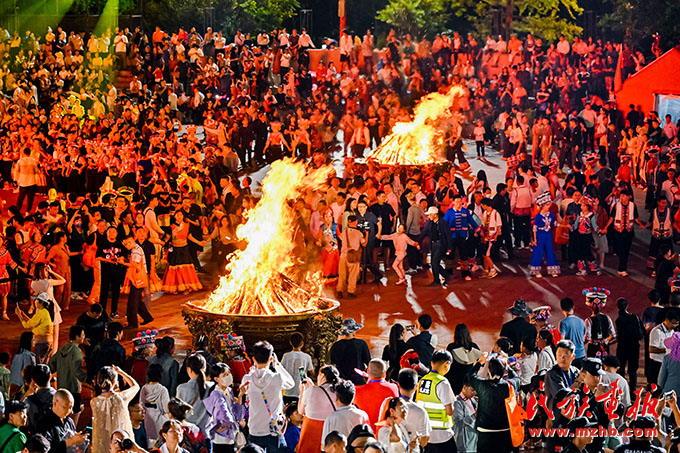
(668, 395)
(410, 327)
(302, 373)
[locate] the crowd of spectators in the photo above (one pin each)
(137, 179)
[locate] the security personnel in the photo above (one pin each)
(436, 397)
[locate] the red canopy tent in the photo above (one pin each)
(653, 85)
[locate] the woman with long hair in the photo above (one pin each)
(546, 346)
(195, 390)
(180, 274)
(110, 406)
(226, 412)
(42, 326)
(317, 402)
(391, 433)
(395, 348)
(465, 353)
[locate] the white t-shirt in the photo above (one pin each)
(292, 361)
(479, 133)
(446, 396)
(120, 42)
(417, 423)
(656, 338)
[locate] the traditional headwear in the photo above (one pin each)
(554, 162)
(653, 151)
(543, 199)
(513, 161)
(231, 342)
(674, 283)
(625, 157)
(596, 297)
(592, 158)
(145, 339)
(587, 199)
(541, 313)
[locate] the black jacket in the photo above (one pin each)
(444, 233)
(421, 343)
(57, 431)
(491, 394)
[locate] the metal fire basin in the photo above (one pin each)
(319, 328)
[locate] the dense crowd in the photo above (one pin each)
(142, 178)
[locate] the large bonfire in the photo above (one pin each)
(422, 140)
(258, 278)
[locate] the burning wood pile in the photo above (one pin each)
(423, 140)
(258, 278)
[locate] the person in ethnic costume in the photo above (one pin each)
(600, 332)
(583, 228)
(544, 222)
(180, 275)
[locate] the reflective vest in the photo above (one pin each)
(427, 398)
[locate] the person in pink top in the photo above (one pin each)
(401, 241)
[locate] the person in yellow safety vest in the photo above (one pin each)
(436, 397)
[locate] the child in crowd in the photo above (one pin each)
(401, 242)
(293, 428)
(479, 133)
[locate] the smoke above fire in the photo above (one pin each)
(423, 140)
(259, 279)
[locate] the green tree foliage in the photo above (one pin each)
(417, 17)
(638, 19)
(544, 18)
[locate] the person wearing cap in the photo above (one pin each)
(41, 325)
(642, 442)
(591, 373)
(349, 353)
(623, 216)
(437, 230)
(600, 331)
(580, 426)
(518, 328)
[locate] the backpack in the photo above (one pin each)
(599, 327)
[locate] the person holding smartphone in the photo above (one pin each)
(298, 364)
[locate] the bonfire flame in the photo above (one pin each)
(422, 140)
(257, 282)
